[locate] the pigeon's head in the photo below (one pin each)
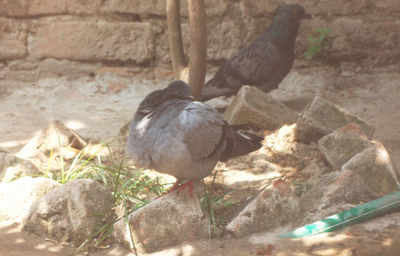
(177, 89)
(292, 12)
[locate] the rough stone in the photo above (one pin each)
(13, 39)
(14, 7)
(12, 167)
(340, 187)
(169, 220)
(71, 212)
(321, 117)
(18, 196)
(376, 168)
(94, 41)
(343, 7)
(342, 144)
(20, 8)
(46, 7)
(352, 41)
(251, 105)
(224, 40)
(276, 205)
(158, 7)
(55, 136)
(300, 86)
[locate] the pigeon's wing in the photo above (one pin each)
(204, 131)
(255, 63)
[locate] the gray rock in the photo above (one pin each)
(340, 187)
(276, 205)
(70, 212)
(251, 105)
(169, 220)
(342, 144)
(321, 117)
(12, 167)
(376, 168)
(56, 135)
(18, 196)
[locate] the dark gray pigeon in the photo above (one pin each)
(265, 61)
(171, 133)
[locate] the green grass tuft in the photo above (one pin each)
(319, 44)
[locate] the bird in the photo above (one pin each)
(174, 134)
(265, 61)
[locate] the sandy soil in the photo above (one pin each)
(95, 110)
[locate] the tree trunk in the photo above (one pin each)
(175, 40)
(198, 46)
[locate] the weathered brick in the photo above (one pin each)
(321, 117)
(342, 144)
(118, 41)
(20, 8)
(158, 7)
(343, 7)
(43, 7)
(223, 40)
(251, 105)
(12, 39)
(340, 187)
(353, 41)
(376, 168)
(14, 7)
(275, 206)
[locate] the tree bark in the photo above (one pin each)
(175, 40)
(198, 46)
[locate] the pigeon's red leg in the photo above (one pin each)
(189, 184)
(176, 185)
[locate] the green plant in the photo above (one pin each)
(319, 44)
(300, 187)
(131, 188)
(216, 206)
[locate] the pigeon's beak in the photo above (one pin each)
(307, 16)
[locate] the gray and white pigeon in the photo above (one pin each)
(265, 61)
(174, 134)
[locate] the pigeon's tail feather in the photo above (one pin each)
(243, 143)
(212, 90)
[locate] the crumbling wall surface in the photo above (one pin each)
(75, 38)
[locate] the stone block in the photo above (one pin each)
(71, 212)
(19, 8)
(167, 221)
(12, 167)
(335, 188)
(321, 117)
(18, 196)
(13, 39)
(275, 206)
(376, 168)
(158, 7)
(53, 138)
(251, 105)
(342, 144)
(343, 7)
(94, 41)
(47, 7)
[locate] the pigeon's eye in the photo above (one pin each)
(295, 11)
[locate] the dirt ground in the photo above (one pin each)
(97, 111)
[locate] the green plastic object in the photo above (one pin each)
(370, 210)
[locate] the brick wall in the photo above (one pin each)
(78, 38)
